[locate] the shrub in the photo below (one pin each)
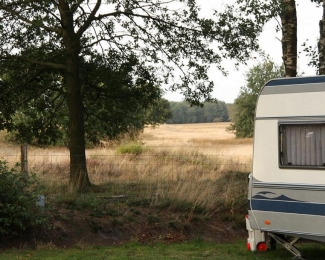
(131, 148)
(19, 193)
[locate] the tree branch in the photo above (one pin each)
(42, 63)
(89, 20)
(36, 23)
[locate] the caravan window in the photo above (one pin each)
(302, 145)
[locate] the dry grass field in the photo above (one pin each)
(208, 138)
(168, 151)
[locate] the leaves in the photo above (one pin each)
(156, 32)
(245, 103)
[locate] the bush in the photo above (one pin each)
(19, 193)
(131, 148)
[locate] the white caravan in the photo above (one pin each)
(286, 194)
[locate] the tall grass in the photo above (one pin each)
(177, 164)
(182, 174)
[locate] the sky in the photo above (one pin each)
(227, 88)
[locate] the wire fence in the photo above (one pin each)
(149, 164)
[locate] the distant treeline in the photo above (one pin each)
(183, 113)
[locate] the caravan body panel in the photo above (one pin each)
(287, 184)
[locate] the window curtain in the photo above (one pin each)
(303, 145)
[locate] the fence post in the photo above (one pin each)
(24, 159)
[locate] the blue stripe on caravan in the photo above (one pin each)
(295, 81)
(288, 207)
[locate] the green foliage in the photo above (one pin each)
(257, 13)
(159, 112)
(245, 104)
(183, 113)
(19, 193)
(244, 20)
(131, 148)
(111, 108)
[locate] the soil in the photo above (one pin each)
(71, 228)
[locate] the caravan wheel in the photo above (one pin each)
(262, 247)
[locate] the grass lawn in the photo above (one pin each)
(190, 250)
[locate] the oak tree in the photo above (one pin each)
(54, 54)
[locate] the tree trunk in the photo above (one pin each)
(289, 37)
(321, 43)
(78, 169)
(79, 179)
